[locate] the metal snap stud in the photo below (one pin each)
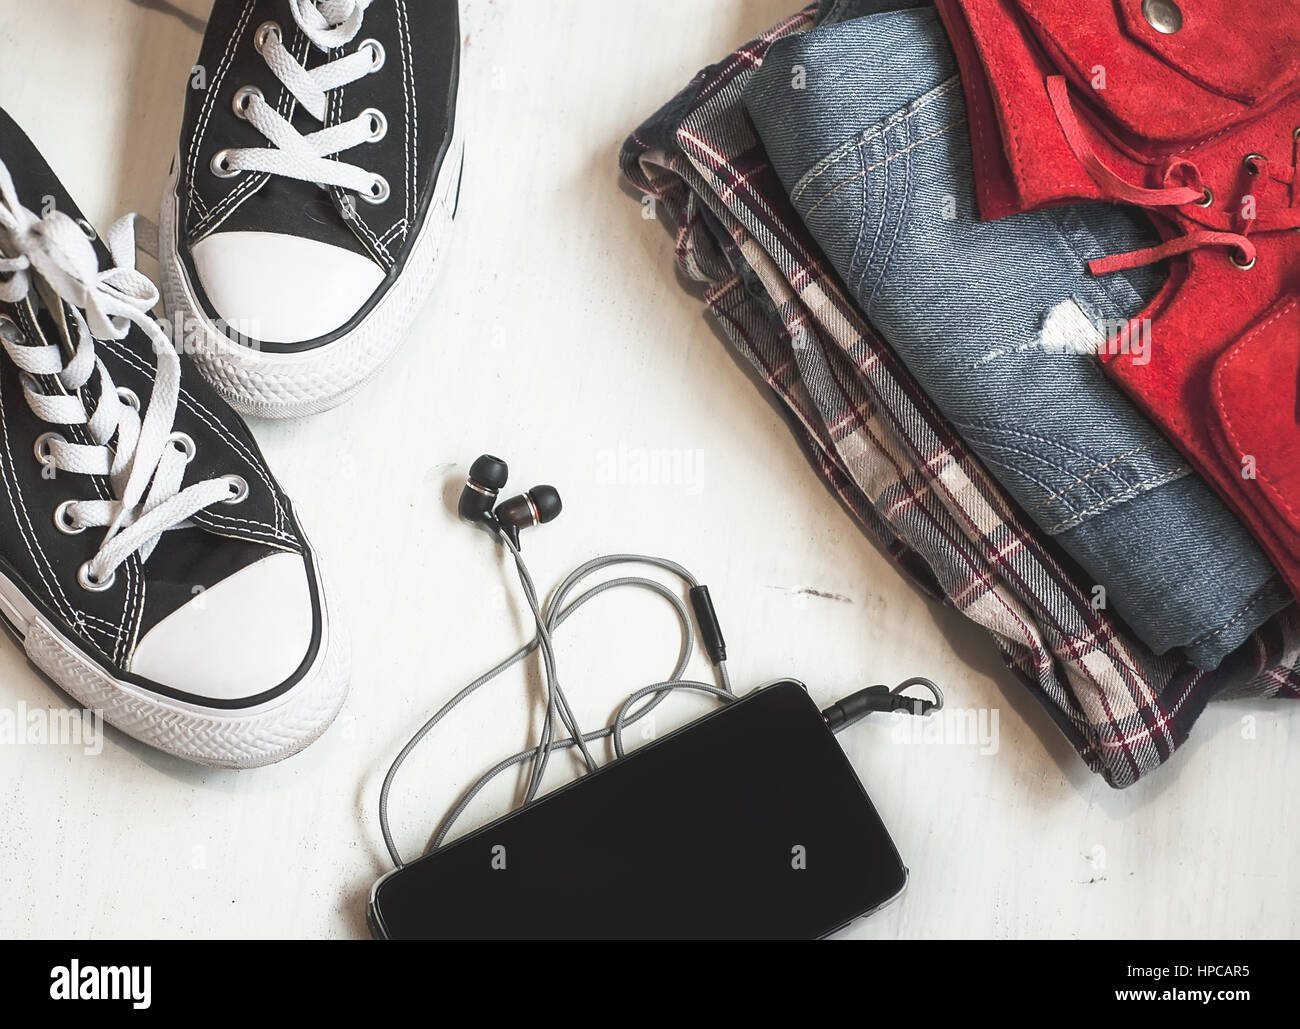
(1162, 15)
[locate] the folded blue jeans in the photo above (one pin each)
(864, 121)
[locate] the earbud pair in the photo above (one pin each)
(478, 500)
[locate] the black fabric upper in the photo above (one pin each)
(415, 90)
(45, 561)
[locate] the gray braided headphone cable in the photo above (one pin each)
(548, 618)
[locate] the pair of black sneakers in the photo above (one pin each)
(150, 563)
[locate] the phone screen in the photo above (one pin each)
(748, 823)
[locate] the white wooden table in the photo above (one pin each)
(560, 338)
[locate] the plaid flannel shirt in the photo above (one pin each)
(893, 459)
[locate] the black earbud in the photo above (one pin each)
(487, 478)
(539, 505)
(478, 500)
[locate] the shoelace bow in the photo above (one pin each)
(1181, 186)
(139, 456)
(328, 24)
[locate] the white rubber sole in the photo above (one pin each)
(292, 385)
(208, 736)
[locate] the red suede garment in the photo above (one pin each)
(1146, 117)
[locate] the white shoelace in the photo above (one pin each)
(143, 459)
(328, 24)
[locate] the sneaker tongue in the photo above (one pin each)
(51, 325)
(56, 316)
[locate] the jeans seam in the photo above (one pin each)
(1255, 600)
(867, 260)
(989, 425)
(1102, 495)
(833, 157)
(856, 260)
(884, 161)
(1070, 506)
(1020, 470)
(901, 218)
(1081, 480)
(1136, 490)
(828, 162)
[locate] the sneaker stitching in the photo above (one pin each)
(236, 444)
(32, 330)
(209, 101)
(252, 183)
(412, 140)
(18, 504)
(382, 256)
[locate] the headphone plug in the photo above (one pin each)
(874, 699)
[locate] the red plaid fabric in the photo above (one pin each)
(892, 458)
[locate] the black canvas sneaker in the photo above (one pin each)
(149, 563)
(312, 194)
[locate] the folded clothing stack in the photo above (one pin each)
(944, 373)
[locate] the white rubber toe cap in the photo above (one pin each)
(247, 634)
(274, 288)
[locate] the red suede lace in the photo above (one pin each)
(1181, 185)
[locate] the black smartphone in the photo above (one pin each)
(747, 823)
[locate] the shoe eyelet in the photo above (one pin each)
(129, 397)
(185, 444)
(1244, 266)
(87, 581)
(378, 192)
(87, 229)
(221, 165)
(265, 32)
(1207, 198)
(1252, 162)
(64, 523)
(31, 385)
(377, 52)
(244, 96)
(378, 124)
(42, 447)
(238, 489)
(1295, 133)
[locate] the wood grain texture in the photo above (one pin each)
(560, 338)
